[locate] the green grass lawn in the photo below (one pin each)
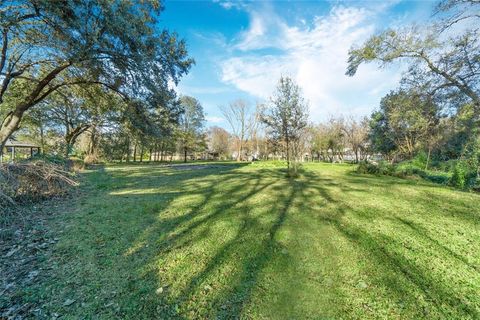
(244, 241)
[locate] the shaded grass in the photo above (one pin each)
(244, 241)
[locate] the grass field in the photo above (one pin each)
(243, 241)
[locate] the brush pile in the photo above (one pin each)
(32, 181)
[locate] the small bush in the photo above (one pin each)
(408, 170)
(75, 165)
(367, 168)
(386, 168)
(420, 160)
(382, 168)
(464, 176)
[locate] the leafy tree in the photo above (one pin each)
(48, 45)
(380, 135)
(448, 66)
(76, 110)
(405, 123)
(190, 129)
(286, 117)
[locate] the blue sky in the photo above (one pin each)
(242, 48)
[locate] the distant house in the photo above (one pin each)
(19, 149)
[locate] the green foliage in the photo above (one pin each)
(51, 158)
(56, 45)
(405, 123)
(413, 168)
(367, 168)
(464, 175)
(379, 135)
(286, 117)
(380, 168)
(191, 126)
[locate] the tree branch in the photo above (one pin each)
(3, 56)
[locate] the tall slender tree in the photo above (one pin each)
(191, 125)
(286, 116)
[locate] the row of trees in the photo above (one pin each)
(97, 124)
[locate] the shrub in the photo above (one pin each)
(409, 169)
(75, 165)
(367, 168)
(420, 160)
(464, 176)
(50, 158)
(402, 170)
(385, 168)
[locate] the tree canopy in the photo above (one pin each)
(48, 45)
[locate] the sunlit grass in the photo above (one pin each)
(245, 241)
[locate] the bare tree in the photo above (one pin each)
(356, 134)
(237, 114)
(218, 141)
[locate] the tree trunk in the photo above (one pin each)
(93, 140)
(288, 154)
(239, 151)
(128, 150)
(9, 125)
(42, 139)
(428, 158)
(68, 148)
(11, 121)
(185, 155)
(135, 152)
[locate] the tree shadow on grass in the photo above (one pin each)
(116, 208)
(248, 252)
(194, 226)
(403, 273)
(200, 296)
(210, 256)
(423, 233)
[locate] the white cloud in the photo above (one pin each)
(212, 119)
(192, 90)
(227, 5)
(316, 57)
